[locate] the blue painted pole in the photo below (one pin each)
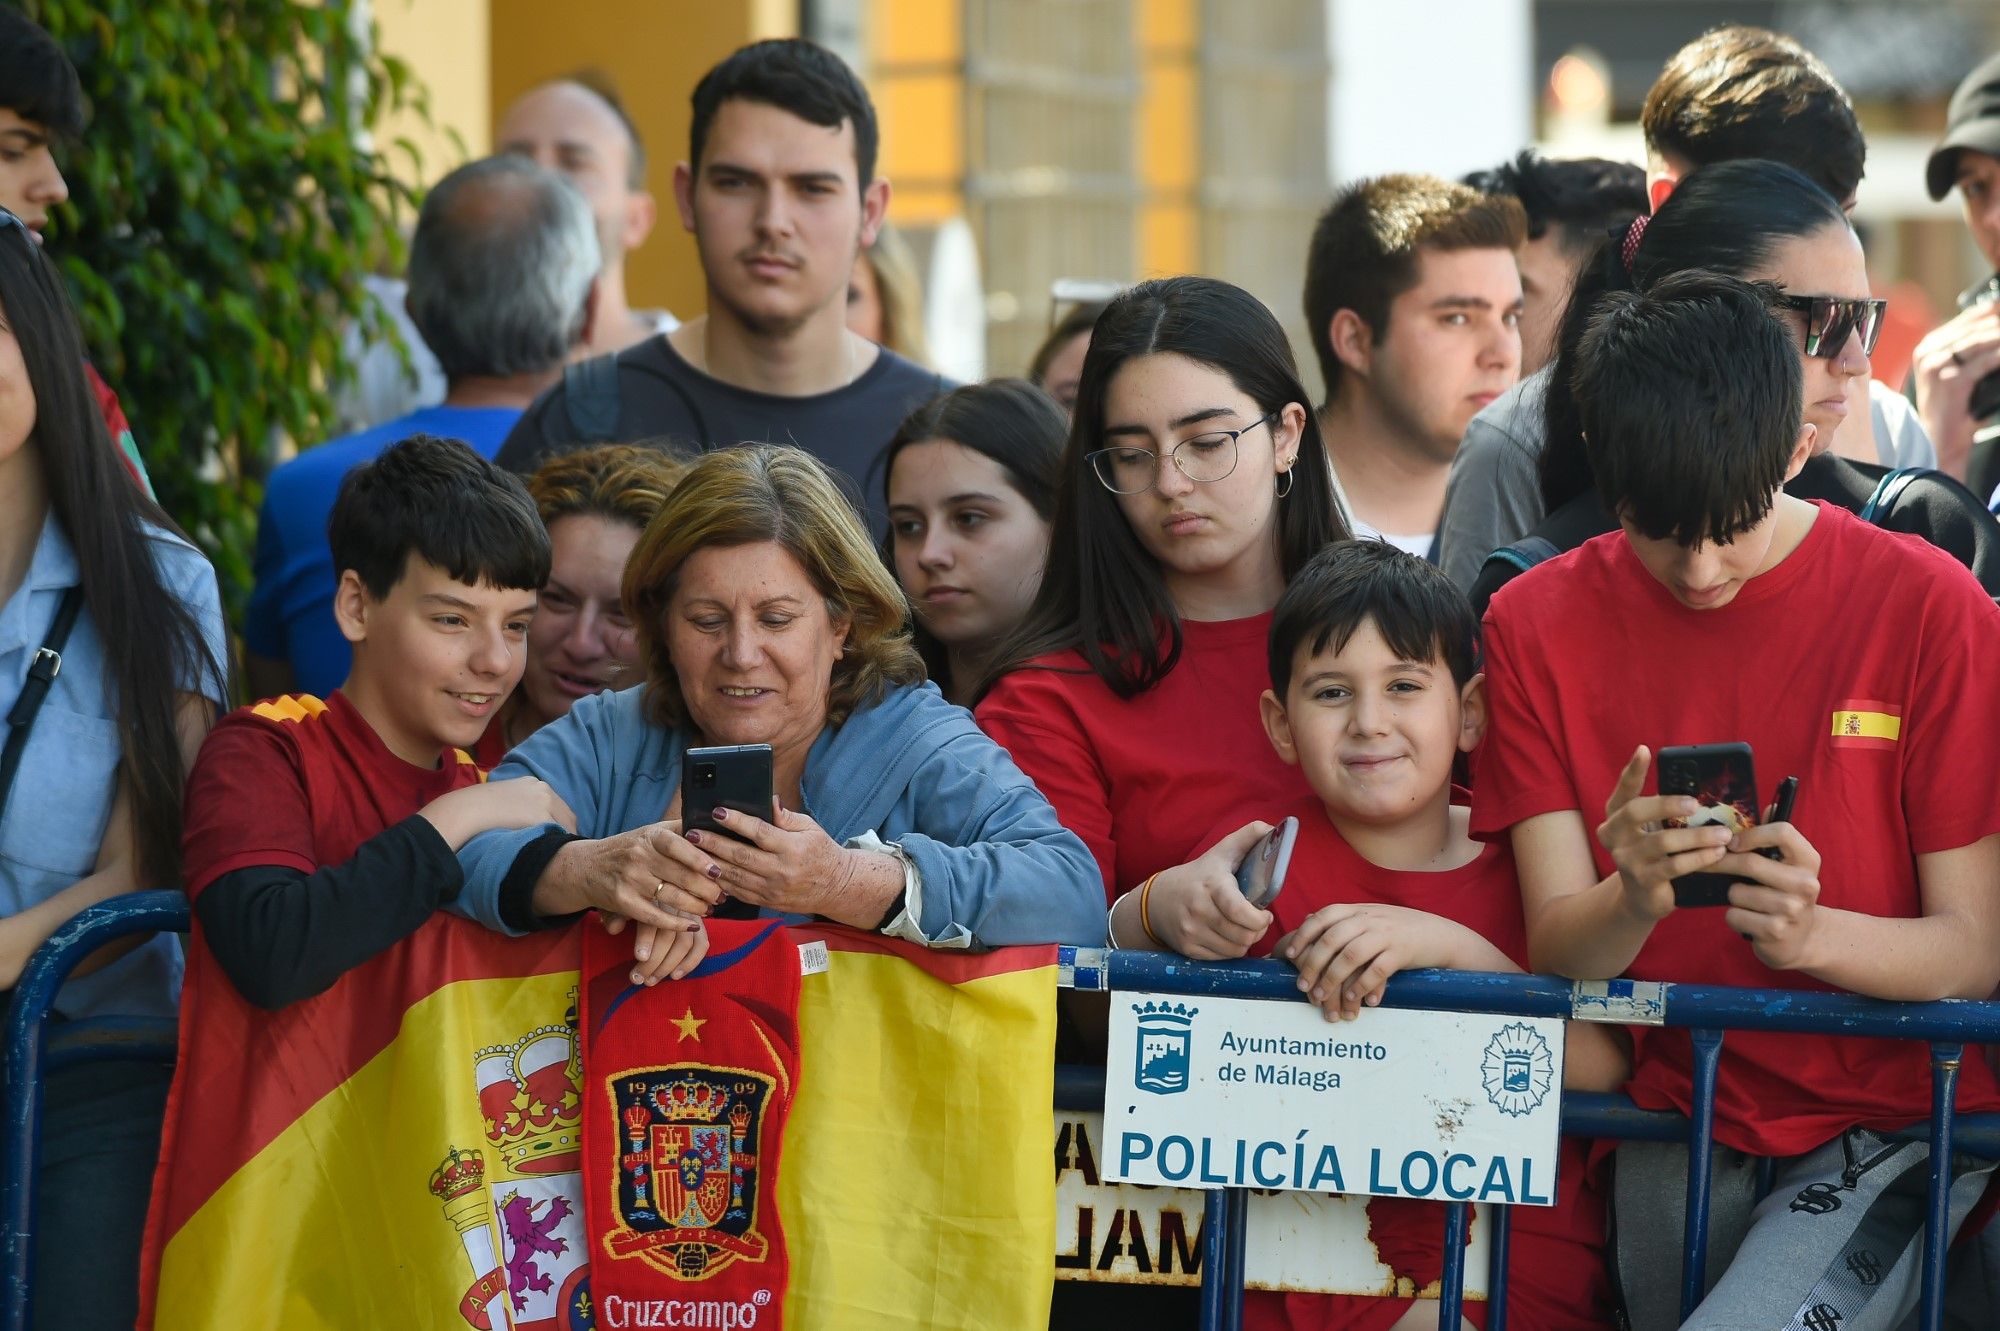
(1239, 1228)
(1937, 1223)
(1451, 1289)
(1701, 1154)
(21, 1101)
(1500, 1233)
(1214, 1260)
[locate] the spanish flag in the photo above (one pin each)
(1864, 723)
(403, 1150)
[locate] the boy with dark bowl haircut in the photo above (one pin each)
(1726, 610)
(1375, 691)
(320, 833)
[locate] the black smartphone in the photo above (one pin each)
(736, 777)
(1261, 876)
(1724, 780)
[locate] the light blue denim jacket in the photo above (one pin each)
(996, 867)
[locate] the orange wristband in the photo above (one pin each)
(1145, 911)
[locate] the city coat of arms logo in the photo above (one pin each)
(687, 1168)
(1165, 1032)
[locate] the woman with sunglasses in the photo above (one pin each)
(1764, 222)
(112, 653)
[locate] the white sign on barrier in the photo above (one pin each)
(1248, 1093)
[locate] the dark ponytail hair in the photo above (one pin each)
(1102, 594)
(153, 647)
(1727, 218)
(1012, 422)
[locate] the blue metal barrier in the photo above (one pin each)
(32, 1048)
(1707, 1011)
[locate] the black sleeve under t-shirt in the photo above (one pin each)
(282, 935)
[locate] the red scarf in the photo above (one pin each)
(687, 1087)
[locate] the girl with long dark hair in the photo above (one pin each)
(92, 803)
(970, 481)
(1194, 484)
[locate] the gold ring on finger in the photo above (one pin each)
(657, 889)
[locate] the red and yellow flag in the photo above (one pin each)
(403, 1150)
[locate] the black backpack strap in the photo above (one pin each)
(1525, 553)
(590, 395)
(1887, 491)
(42, 672)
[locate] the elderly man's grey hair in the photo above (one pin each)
(501, 268)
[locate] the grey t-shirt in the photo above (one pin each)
(661, 396)
(1494, 496)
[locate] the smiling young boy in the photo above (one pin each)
(1374, 693)
(320, 833)
(1850, 657)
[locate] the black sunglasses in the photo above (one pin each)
(1831, 320)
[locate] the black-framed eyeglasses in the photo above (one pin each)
(1127, 469)
(1831, 320)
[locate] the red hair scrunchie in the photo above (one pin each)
(1629, 247)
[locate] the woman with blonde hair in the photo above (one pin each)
(595, 502)
(764, 616)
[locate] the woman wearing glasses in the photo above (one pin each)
(111, 670)
(1193, 485)
(1763, 222)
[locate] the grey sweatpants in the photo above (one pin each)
(1836, 1246)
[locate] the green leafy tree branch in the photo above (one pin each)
(227, 200)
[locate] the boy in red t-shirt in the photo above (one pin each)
(318, 834)
(1374, 693)
(1850, 657)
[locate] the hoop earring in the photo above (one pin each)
(1285, 482)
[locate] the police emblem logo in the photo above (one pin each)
(1166, 1032)
(1517, 1070)
(690, 1141)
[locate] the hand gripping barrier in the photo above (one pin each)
(33, 1048)
(1706, 1011)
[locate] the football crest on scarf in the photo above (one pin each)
(690, 1138)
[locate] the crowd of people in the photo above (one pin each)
(1600, 467)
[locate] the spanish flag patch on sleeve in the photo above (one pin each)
(1864, 723)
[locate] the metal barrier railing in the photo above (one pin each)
(32, 1048)
(1706, 1011)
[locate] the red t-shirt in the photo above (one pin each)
(1857, 665)
(299, 783)
(1139, 779)
(1557, 1279)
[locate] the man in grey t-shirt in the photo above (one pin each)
(780, 192)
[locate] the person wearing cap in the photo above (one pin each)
(1955, 359)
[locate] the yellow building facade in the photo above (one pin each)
(1069, 133)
